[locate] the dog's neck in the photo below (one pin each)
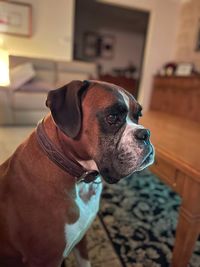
(67, 145)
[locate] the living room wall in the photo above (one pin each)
(52, 31)
(189, 28)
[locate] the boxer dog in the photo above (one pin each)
(50, 187)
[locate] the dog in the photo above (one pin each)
(50, 187)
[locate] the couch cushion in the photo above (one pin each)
(32, 95)
(21, 74)
(37, 62)
(36, 86)
(66, 77)
(77, 67)
(24, 117)
(74, 70)
(29, 101)
(45, 69)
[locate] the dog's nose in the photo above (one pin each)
(142, 134)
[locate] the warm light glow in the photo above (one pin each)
(4, 68)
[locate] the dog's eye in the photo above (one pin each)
(112, 118)
(140, 113)
(137, 116)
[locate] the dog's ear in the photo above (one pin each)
(65, 106)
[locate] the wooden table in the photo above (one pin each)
(177, 144)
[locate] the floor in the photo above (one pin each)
(10, 138)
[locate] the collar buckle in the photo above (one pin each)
(89, 176)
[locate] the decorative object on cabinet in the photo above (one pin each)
(184, 69)
(168, 69)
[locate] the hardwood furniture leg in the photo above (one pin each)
(188, 225)
(186, 235)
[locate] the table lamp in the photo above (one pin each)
(4, 67)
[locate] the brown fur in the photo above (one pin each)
(34, 201)
(37, 197)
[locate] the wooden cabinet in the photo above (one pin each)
(178, 96)
(128, 84)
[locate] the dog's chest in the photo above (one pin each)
(88, 197)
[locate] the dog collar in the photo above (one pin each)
(68, 164)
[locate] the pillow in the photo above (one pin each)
(21, 74)
(36, 87)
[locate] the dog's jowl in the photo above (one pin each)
(50, 187)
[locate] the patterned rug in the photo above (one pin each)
(140, 218)
(101, 251)
(136, 225)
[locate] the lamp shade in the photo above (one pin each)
(4, 68)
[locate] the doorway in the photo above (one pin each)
(114, 39)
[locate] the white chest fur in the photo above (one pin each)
(87, 199)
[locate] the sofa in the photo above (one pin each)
(25, 104)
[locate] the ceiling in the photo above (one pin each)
(113, 16)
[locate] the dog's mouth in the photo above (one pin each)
(111, 180)
(108, 178)
(148, 160)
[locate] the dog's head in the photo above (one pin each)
(102, 118)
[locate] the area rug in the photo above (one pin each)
(140, 215)
(101, 250)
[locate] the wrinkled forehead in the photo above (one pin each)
(111, 94)
(129, 100)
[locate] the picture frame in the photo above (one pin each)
(97, 45)
(184, 69)
(91, 45)
(107, 46)
(15, 18)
